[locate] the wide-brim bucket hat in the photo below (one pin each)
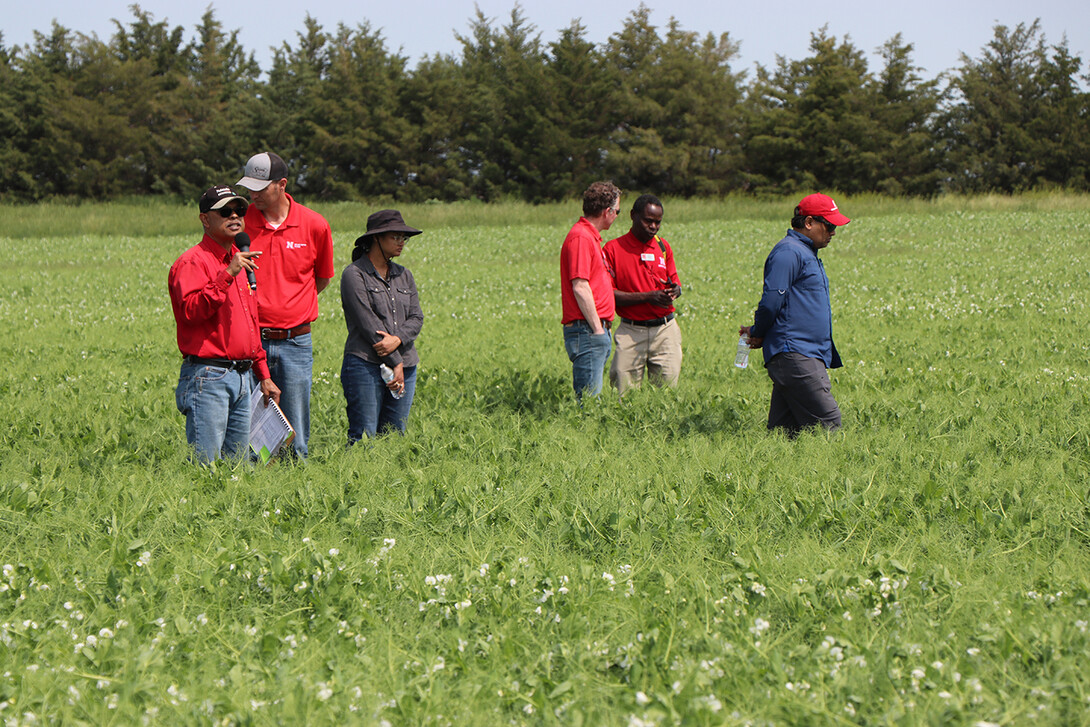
(386, 221)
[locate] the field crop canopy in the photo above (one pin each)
(517, 559)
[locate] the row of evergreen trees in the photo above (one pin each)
(659, 109)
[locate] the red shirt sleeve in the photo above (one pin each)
(323, 263)
(197, 297)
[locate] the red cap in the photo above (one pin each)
(821, 205)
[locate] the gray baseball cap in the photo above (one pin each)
(262, 169)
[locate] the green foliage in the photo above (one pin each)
(1020, 121)
(655, 108)
(514, 559)
(678, 110)
(825, 122)
(904, 108)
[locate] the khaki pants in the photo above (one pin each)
(657, 349)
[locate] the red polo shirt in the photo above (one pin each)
(216, 313)
(640, 268)
(581, 257)
(293, 256)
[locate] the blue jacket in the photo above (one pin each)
(795, 315)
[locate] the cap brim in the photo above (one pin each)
(836, 218)
(254, 185)
(223, 202)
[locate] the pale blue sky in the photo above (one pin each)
(938, 29)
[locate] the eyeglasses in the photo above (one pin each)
(829, 226)
(615, 210)
(226, 212)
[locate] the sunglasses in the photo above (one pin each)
(829, 226)
(226, 212)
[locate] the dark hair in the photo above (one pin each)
(644, 201)
(599, 197)
(799, 221)
(363, 246)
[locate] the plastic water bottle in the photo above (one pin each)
(742, 359)
(387, 376)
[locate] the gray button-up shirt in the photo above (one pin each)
(372, 304)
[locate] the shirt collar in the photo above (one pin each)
(803, 239)
(652, 243)
(369, 267)
(210, 245)
(592, 228)
(292, 220)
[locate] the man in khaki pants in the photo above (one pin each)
(645, 284)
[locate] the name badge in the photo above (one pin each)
(647, 257)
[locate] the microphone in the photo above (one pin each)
(242, 242)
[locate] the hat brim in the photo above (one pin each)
(254, 185)
(836, 218)
(404, 229)
(223, 202)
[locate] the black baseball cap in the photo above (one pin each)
(216, 197)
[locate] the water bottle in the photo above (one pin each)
(742, 359)
(388, 376)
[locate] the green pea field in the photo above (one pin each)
(515, 559)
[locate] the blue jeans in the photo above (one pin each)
(371, 407)
(216, 404)
(291, 363)
(588, 354)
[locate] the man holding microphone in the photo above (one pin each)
(218, 336)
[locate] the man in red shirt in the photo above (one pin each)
(645, 284)
(216, 315)
(296, 266)
(586, 290)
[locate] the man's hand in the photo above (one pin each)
(753, 342)
(270, 391)
(387, 345)
(243, 261)
(584, 298)
(659, 298)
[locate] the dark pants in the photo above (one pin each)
(801, 395)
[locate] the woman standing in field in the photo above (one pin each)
(382, 312)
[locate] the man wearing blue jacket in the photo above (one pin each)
(793, 322)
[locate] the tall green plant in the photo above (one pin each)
(677, 109)
(811, 122)
(1018, 118)
(905, 107)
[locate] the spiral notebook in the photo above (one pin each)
(270, 430)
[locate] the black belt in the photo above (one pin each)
(605, 323)
(284, 334)
(654, 322)
(220, 363)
